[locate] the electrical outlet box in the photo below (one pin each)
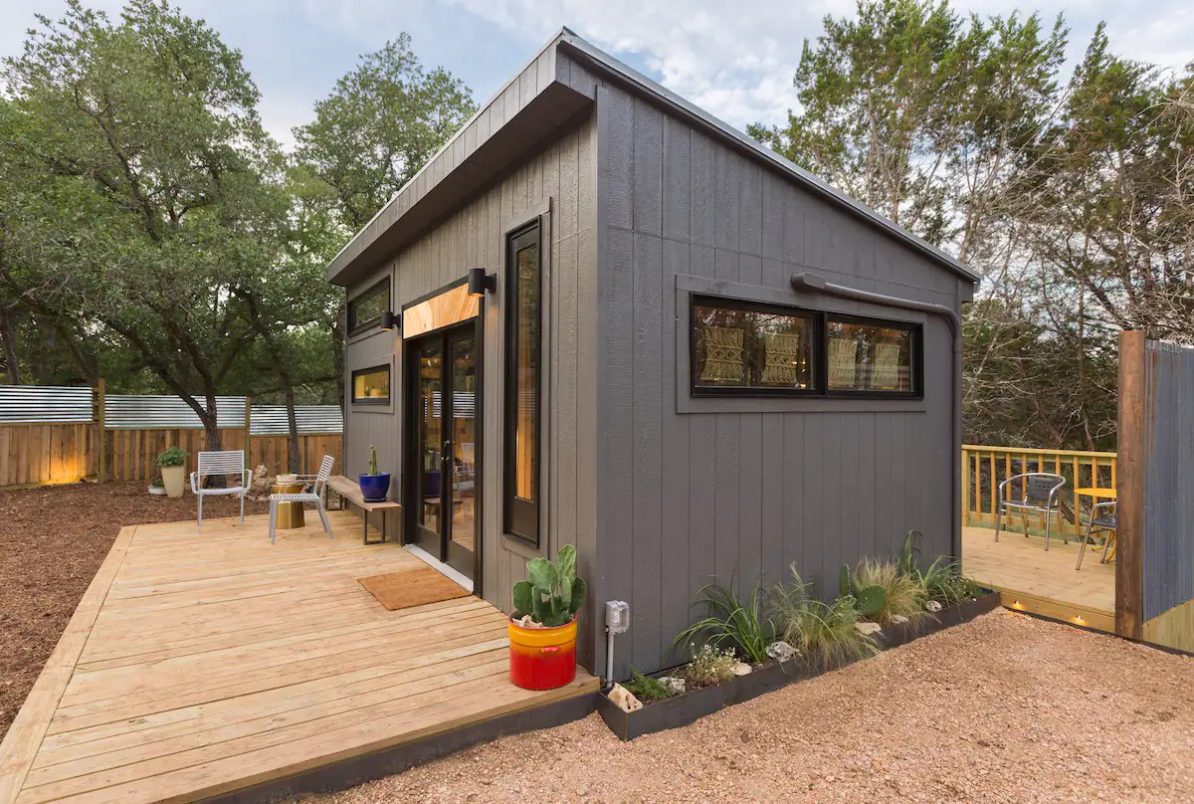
(617, 616)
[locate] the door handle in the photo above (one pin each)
(446, 454)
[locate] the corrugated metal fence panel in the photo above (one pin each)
(44, 403)
(1168, 477)
(136, 411)
(271, 419)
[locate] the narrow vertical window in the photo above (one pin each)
(524, 349)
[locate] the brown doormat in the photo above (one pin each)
(412, 587)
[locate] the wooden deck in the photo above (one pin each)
(1046, 583)
(202, 663)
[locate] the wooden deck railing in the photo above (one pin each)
(985, 467)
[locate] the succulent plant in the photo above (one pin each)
(372, 460)
(552, 594)
(868, 600)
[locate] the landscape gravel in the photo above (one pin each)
(1006, 708)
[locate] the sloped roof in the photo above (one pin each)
(555, 104)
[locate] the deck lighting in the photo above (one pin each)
(479, 282)
(391, 320)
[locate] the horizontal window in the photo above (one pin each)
(365, 310)
(742, 347)
(752, 349)
(371, 385)
(870, 357)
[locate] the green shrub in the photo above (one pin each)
(744, 625)
(174, 456)
(552, 593)
(645, 688)
(903, 594)
(943, 580)
(824, 633)
(710, 666)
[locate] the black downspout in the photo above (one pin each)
(815, 283)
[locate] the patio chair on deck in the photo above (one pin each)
(1040, 496)
(1102, 517)
(227, 463)
(313, 493)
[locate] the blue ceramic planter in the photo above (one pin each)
(375, 487)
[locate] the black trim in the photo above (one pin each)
(357, 327)
(371, 400)
(820, 353)
(455, 283)
(520, 517)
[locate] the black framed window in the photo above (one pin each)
(872, 358)
(741, 348)
(365, 310)
(744, 348)
(371, 386)
(524, 350)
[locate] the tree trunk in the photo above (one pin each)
(8, 345)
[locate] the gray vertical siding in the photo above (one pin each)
(561, 174)
(1169, 465)
(734, 491)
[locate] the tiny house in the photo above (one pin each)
(601, 317)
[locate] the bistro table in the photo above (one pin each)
(1097, 493)
(290, 514)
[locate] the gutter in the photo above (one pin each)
(815, 283)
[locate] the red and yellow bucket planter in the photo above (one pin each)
(542, 658)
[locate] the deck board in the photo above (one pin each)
(200, 663)
(1043, 582)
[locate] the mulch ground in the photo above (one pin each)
(1005, 708)
(52, 541)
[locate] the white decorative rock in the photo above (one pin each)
(898, 619)
(868, 628)
(624, 699)
(673, 684)
(781, 651)
(933, 606)
(741, 669)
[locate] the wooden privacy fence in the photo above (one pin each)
(985, 467)
(79, 440)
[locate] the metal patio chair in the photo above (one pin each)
(1040, 496)
(226, 463)
(313, 493)
(1104, 521)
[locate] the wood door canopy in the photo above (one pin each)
(452, 306)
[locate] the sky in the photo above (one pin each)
(737, 66)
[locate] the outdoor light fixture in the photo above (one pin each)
(479, 282)
(617, 621)
(391, 320)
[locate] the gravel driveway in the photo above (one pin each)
(1006, 708)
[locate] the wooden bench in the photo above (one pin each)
(349, 491)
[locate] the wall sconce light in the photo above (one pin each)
(479, 282)
(391, 320)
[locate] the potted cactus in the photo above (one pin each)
(375, 485)
(173, 463)
(543, 627)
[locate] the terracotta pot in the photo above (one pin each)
(174, 479)
(542, 658)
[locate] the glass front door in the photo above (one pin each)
(444, 477)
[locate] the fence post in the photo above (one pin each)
(101, 436)
(1129, 552)
(248, 432)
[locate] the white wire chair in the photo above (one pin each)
(225, 463)
(314, 492)
(1039, 495)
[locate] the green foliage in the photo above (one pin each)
(709, 666)
(824, 633)
(381, 123)
(552, 593)
(942, 581)
(870, 600)
(743, 625)
(902, 594)
(372, 460)
(173, 456)
(645, 688)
